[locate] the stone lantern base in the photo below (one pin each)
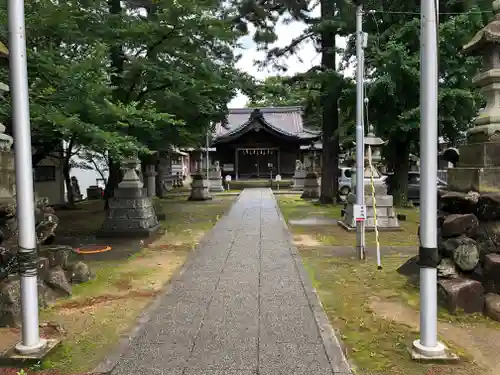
(299, 179)
(199, 189)
(311, 186)
(384, 207)
(215, 181)
(131, 211)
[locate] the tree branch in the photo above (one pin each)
(150, 49)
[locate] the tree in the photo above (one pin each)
(107, 76)
(282, 91)
(337, 18)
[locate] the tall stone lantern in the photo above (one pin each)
(478, 168)
(374, 145)
(382, 206)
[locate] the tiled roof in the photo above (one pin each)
(286, 120)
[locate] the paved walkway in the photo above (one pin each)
(240, 307)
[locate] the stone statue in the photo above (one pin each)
(298, 165)
(77, 195)
(217, 165)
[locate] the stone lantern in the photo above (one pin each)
(478, 167)
(382, 205)
(374, 145)
(131, 211)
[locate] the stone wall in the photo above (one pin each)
(469, 252)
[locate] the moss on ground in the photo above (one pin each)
(346, 288)
(294, 208)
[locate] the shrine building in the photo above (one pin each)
(255, 142)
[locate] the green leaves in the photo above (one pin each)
(111, 77)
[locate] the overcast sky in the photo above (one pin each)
(306, 58)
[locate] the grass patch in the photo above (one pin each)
(294, 208)
(355, 295)
(100, 310)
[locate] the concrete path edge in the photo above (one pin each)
(107, 365)
(334, 347)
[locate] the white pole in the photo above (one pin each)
(207, 155)
(428, 345)
(360, 132)
(31, 341)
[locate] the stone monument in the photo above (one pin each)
(469, 217)
(311, 186)
(151, 180)
(383, 203)
(75, 186)
(215, 178)
(199, 188)
(299, 176)
(131, 212)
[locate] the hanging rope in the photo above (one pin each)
(372, 182)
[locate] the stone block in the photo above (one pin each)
(484, 154)
(488, 206)
(299, 179)
(58, 281)
(491, 271)
(454, 202)
(42, 265)
(466, 254)
(463, 294)
(480, 179)
(492, 306)
(456, 225)
(311, 187)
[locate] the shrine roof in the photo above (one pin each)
(286, 121)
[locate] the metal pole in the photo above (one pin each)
(30, 341)
(360, 132)
(207, 155)
(428, 344)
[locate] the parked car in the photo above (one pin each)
(413, 185)
(345, 180)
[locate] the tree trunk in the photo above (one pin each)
(400, 156)
(67, 181)
(329, 96)
(114, 178)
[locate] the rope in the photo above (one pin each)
(372, 183)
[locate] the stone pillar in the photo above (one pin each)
(215, 178)
(151, 180)
(478, 167)
(131, 212)
(311, 186)
(299, 176)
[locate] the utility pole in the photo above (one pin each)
(30, 342)
(428, 346)
(360, 130)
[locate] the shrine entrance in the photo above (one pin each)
(257, 162)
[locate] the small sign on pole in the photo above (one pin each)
(359, 212)
(278, 179)
(228, 180)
